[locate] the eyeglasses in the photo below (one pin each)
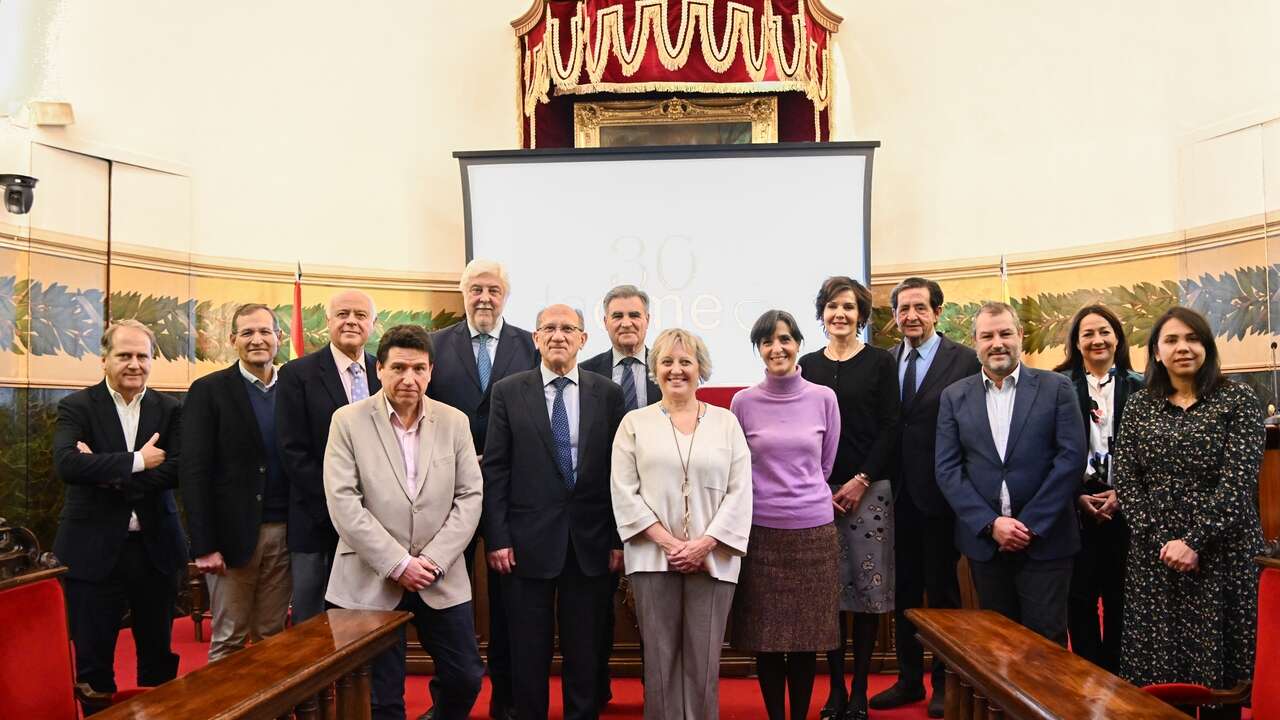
(566, 329)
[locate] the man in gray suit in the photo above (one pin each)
(404, 491)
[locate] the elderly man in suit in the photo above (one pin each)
(626, 319)
(310, 389)
(1010, 455)
(404, 489)
(549, 526)
(234, 489)
(116, 446)
(474, 355)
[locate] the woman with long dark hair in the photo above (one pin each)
(1098, 364)
(1187, 475)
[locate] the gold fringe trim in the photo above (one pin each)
(756, 40)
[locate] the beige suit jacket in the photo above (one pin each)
(378, 522)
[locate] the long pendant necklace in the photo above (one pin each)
(684, 461)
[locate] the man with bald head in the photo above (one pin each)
(308, 391)
(548, 515)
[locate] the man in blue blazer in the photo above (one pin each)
(1010, 455)
(462, 379)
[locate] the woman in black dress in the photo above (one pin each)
(1098, 364)
(865, 382)
(1187, 476)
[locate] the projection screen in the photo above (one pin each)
(715, 235)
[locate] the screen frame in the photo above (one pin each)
(864, 148)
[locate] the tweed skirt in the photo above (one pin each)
(787, 592)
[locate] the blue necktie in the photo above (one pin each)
(560, 432)
(629, 383)
(359, 390)
(484, 365)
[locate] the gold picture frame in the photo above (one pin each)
(676, 121)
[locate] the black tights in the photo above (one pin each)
(865, 628)
(783, 674)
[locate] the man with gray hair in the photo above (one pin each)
(116, 446)
(309, 390)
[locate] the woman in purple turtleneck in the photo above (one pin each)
(787, 601)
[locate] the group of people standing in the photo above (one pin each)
(842, 487)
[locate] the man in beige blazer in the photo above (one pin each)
(403, 488)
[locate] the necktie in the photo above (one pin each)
(359, 389)
(909, 379)
(629, 383)
(560, 432)
(484, 365)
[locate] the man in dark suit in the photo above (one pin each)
(116, 446)
(1010, 455)
(626, 318)
(310, 389)
(548, 515)
(924, 547)
(473, 355)
(234, 488)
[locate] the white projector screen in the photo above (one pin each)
(715, 235)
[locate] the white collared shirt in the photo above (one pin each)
(344, 374)
(254, 381)
(570, 403)
(639, 373)
(1000, 415)
(130, 413)
(1102, 391)
(492, 345)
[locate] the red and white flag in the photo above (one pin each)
(296, 326)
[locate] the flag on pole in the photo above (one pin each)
(296, 326)
(1004, 279)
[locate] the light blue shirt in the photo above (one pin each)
(639, 374)
(492, 345)
(927, 350)
(570, 398)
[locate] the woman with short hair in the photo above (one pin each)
(682, 501)
(785, 608)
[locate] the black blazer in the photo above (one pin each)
(602, 364)
(527, 505)
(1126, 384)
(919, 423)
(1042, 465)
(224, 467)
(455, 381)
(102, 489)
(307, 393)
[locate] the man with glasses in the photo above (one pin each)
(548, 515)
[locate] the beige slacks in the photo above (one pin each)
(682, 620)
(251, 602)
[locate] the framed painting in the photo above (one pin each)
(676, 121)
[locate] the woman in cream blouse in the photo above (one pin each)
(682, 500)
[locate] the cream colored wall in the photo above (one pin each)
(322, 131)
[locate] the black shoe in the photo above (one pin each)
(937, 704)
(834, 708)
(430, 714)
(853, 713)
(896, 696)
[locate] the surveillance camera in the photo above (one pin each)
(19, 193)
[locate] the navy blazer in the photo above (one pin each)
(1043, 463)
(102, 489)
(602, 364)
(455, 381)
(527, 503)
(307, 393)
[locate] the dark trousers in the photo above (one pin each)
(579, 605)
(95, 609)
(1030, 592)
(449, 637)
(309, 573)
(925, 559)
(499, 637)
(606, 644)
(1099, 574)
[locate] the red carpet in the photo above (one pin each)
(739, 698)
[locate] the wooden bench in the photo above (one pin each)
(999, 669)
(293, 672)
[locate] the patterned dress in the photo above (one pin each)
(1191, 475)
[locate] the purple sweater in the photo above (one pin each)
(792, 428)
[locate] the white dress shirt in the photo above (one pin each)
(129, 413)
(1000, 415)
(492, 345)
(1102, 391)
(639, 373)
(570, 404)
(344, 373)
